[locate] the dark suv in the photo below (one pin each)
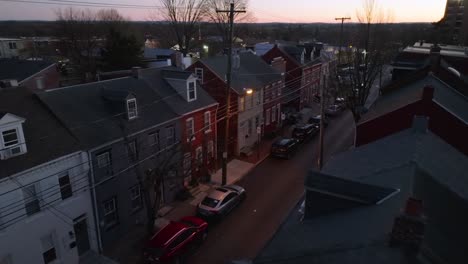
(284, 148)
(305, 132)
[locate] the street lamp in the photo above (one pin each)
(248, 91)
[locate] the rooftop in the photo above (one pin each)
(21, 69)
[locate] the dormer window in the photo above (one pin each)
(199, 74)
(12, 141)
(132, 110)
(191, 91)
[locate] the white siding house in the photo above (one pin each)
(47, 210)
(11, 48)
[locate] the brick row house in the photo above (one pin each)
(302, 75)
(197, 115)
(255, 93)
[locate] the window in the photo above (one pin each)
(228, 198)
(170, 136)
(249, 101)
(187, 164)
(12, 45)
(132, 151)
(31, 200)
(257, 121)
(10, 137)
(199, 155)
(279, 88)
(135, 196)
(249, 123)
(199, 73)
(181, 238)
(241, 103)
(103, 160)
(273, 114)
(190, 129)
(257, 98)
(153, 140)
(49, 255)
(267, 116)
(210, 149)
(110, 212)
(278, 111)
(207, 118)
(65, 187)
(132, 108)
(191, 91)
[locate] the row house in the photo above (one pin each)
(252, 80)
(127, 129)
(302, 76)
(45, 201)
(35, 75)
(197, 116)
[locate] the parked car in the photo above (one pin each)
(333, 110)
(305, 132)
(316, 120)
(220, 201)
(173, 242)
(284, 147)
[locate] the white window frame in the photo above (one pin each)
(132, 113)
(114, 210)
(170, 136)
(267, 116)
(207, 121)
(241, 103)
(135, 194)
(132, 151)
(12, 45)
(273, 114)
(189, 99)
(210, 149)
(16, 132)
(199, 74)
(154, 139)
(33, 198)
(190, 129)
(106, 156)
(199, 155)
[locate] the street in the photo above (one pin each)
(273, 188)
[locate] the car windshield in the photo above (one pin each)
(187, 223)
(210, 202)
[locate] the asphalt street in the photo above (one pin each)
(273, 188)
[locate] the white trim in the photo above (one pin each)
(194, 90)
(128, 101)
(198, 69)
(190, 136)
(205, 126)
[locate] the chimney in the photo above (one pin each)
(169, 62)
(409, 227)
(420, 124)
(136, 72)
(435, 58)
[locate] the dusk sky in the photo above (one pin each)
(263, 10)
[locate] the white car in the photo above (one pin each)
(220, 201)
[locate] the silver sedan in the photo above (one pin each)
(220, 201)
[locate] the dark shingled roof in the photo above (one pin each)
(20, 69)
(253, 72)
(166, 81)
(96, 112)
(46, 138)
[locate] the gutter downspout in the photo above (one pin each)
(94, 203)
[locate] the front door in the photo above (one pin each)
(81, 235)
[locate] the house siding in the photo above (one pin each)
(125, 174)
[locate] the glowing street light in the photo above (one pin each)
(248, 91)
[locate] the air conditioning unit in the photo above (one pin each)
(8, 153)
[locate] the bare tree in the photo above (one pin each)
(365, 59)
(184, 17)
(221, 19)
(83, 33)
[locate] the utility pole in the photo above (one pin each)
(322, 116)
(231, 12)
(341, 36)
